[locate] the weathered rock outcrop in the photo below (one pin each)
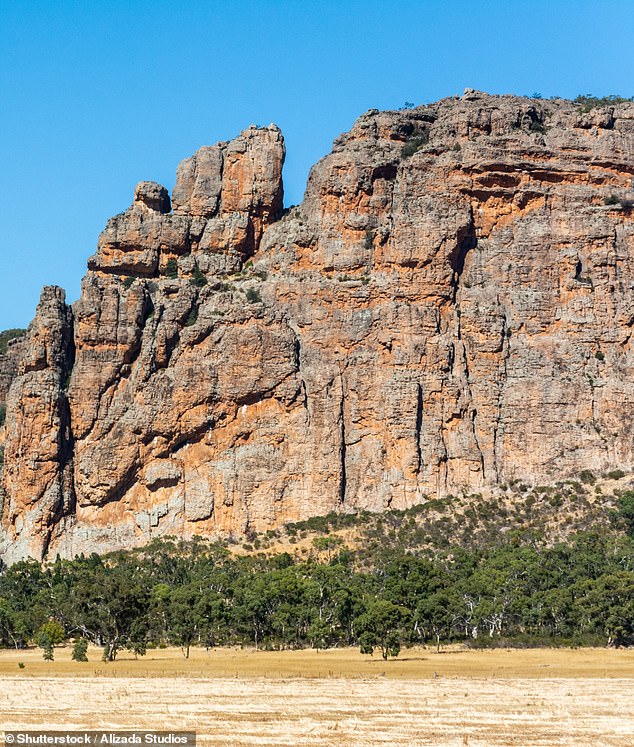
(37, 475)
(449, 307)
(9, 362)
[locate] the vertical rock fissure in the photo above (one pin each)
(466, 241)
(305, 393)
(474, 411)
(64, 491)
(66, 436)
(297, 354)
(419, 425)
(474, 414)
(443, 458)
(221, 176)
(342, 447)
(504, 343)
(297, 362)
(593, 412)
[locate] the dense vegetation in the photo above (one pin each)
(518, 589)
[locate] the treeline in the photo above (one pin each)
(184, 594)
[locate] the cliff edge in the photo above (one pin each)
(450, 307)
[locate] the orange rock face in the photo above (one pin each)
(449, 308)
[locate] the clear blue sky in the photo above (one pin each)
(96, 96)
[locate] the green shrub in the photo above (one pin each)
(171, 269)
(192, 317)
(416, 142)
(198, 278)
(599, 356)
(3, 414)
(368, 244)
(253, 295)
(615, 474)
(537, 127)
(127, 283)
(587, 101)
(587, 477)
(611, 200)
(412, 146)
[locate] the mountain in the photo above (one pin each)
(448, 309)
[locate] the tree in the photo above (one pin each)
(53, 631)
(435, 615)
(47, 648)
(327, 544)
(14, 628)
(626, 510)
(320, 634)
(408, 579)
(109, 604)
(80, 650)
(381, 626)
(23, 602)
(50, 634)
(184, 617)
(608, 604)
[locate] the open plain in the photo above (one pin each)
(334, 698)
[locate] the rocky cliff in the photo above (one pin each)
(11, 351)
(449, 307)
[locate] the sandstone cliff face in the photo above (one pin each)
(37, 477)
(450, 307)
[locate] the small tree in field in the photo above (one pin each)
(80, 650)
(380, 627)
(44, 642)
(50, 634)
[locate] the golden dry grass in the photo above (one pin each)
(535, 698)
(413, 663)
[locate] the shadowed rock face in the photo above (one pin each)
(450, 307)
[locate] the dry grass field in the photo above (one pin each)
(334, 698)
